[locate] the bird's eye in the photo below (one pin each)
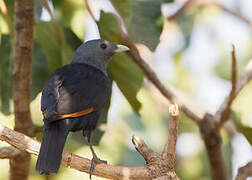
(103, 46)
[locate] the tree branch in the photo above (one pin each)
(156, 166)
(143, 149)
(207, 3)
(28, 144)
(9, 152)
(244, 172)
(22, 70)
(224, 111)
(169, 152)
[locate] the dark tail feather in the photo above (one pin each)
(51, 149)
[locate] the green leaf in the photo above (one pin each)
(5, 74)
(37, 10)
(50, 53)
(168, 1)
(124, 9)
(186, 23)
(144, 27)
(45, 37)
(71, 38)
(57, 52)
(0, 35)
(127, 75)
(245, 130)
(40, 70)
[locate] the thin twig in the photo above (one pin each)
(244, 172)
(224, 110)
(206, 3)
(243, 81)
(143, 149)
(169, 152)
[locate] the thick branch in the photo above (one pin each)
(212, 140)
(28, 144)
(158, 166)
(169, 152)
(23, 43)
(244, 172)
(8, 152)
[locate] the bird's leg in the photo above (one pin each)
(95, 160)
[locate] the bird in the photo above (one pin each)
(72, 100)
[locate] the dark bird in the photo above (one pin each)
(72, 100)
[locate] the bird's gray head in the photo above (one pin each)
(97, 53)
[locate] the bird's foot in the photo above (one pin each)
(95, 160)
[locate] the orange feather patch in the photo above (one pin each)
(77, 114)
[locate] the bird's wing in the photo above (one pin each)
(74, 90)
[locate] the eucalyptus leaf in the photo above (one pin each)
(45, 37)
(37, 10)
(123, 7)
(40, 70)
(145, 27)
(127, 75)
(5, 74)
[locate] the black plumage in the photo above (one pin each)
(72, 100)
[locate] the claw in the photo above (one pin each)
(95, 160)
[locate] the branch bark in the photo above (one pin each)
(244, 172)
(9, 152)
(23, 42)
(155, 165)
(169, 152)
(224, 111)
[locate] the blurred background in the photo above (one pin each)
(191, 54)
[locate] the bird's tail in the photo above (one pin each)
(51, 149)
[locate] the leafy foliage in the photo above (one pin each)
(5, 74)
(144, 25)
(125, 72)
